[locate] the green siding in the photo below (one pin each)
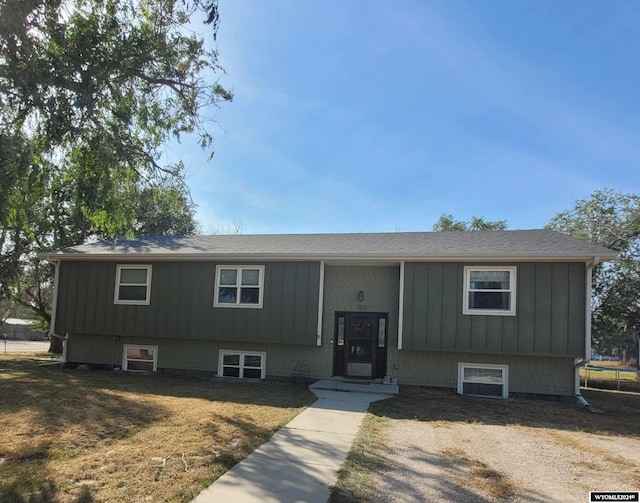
(449, 303)
(409, 305)
(434, 306)
(553, 376)
(198, 355)
(549, 321)
(181, 305)
(527, 374)
(199, 351)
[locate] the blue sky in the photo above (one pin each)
(376, 116)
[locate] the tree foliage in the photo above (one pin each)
(611, 219)
(90, 93)
(449, 224)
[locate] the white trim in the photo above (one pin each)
(488, 366)
(320, 304)
(223, 352)
(116, 292)
(511, 290)
(65, 347)
(238, 285)
(54, 302)
(587, 320)
(401, 306)
(125, 360)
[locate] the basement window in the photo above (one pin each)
(491, 381)
(242, 364)
(140, 358)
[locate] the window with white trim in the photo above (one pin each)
(491, 381)
(133, 284)
(139, 358)
(242, 364)
(490, 290)
(239, 286)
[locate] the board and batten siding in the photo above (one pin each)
(181, 303)
(549, 320)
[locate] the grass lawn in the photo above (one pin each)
(99, 436)
(444, 409)
(613, 374)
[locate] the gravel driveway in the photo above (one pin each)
(465, 461)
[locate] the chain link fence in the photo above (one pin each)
(610, 378)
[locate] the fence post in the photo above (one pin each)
(586, 376)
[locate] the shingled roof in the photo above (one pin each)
(486, 245)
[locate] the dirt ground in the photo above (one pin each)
(479, 462)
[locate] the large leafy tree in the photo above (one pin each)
(611, 219)
(450, 224)
(90, 92)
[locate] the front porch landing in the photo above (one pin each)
(350, 386)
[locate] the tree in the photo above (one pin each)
(611, 219)
(165, 209)
(449, 224)
(90, 92)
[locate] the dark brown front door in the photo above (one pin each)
(360, 345)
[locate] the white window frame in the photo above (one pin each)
(513, 270)
(242, 354)
(239, 269)
(125, 360)
(116, 293)
(505, 378)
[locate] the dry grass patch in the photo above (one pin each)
(355, 478)
(478, 476)
(94, 436)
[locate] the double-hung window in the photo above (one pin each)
(490, 290)
(133, 284)
(239, 286)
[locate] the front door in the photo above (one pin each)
(360, 345)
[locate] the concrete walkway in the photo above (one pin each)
(300, 462)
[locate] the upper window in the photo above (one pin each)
(133, 284)
(239, 286)
(489, 290)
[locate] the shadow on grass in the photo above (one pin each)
(52, 390)
(55, 398)
(620, 418)
(57, 415)
(40, 491)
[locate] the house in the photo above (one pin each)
(487, 313)
(19, 329)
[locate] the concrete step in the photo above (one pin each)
(350, 386)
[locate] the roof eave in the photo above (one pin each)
(347, 257)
